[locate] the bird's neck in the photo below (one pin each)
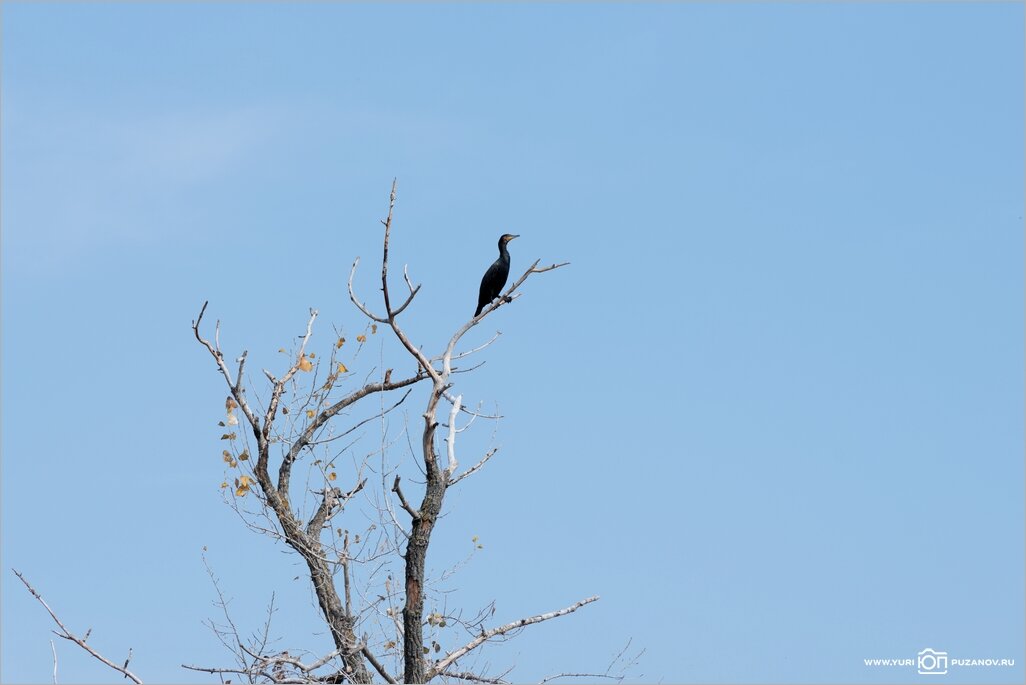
(503, 253)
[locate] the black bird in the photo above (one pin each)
(495, 278)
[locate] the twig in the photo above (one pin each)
(502, 630)
(589, 676)
(68, 635)
(473, 468)
(54, 650)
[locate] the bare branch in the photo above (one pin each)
(377, 665)
(473, 677)
(208, 669)
(306, 438)
(68, 635)
(54, 650)
(413, 293)
(332, 499)
(279, 386)
(402, 500)
(451, 443)
(589, 676)
(236, 388)
(475, 467)
(284, 658)
(502, 630)
(356, 300)
(467, 353)
(625, 664)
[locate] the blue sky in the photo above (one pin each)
(772, 412)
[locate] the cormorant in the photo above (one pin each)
(495, 278)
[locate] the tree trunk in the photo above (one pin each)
(416, 550)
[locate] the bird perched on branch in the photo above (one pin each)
(495, 278)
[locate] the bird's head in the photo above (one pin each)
(506, 237)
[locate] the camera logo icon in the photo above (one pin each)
(931, 662)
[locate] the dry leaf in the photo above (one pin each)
(332, 476)
(304, 364)
(309, 413)
(342, 368)
(233, 420)
(361, 338)
(230, 404)
(340, 343)
(374, 328)
(244, 456)
(226, 455)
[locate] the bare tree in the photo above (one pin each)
(310, 418)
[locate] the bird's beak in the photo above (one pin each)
(515, 236)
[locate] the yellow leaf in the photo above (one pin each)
(309, 413)
(282, 350)
(241, 492)
(342, 368)
(230, 404)
(233, 463)
(224, 485)
(340, 343)
(244, 456)
(229, 436)
(304, 364)
(245, 481)
(374, 328)
(361, 338)
(332, 476)
(389, 645)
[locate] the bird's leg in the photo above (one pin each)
(507, 299)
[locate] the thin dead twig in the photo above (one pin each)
(68, 635)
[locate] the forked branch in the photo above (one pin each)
(80, 641)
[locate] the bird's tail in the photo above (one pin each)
(478, 312)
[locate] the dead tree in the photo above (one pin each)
(350, 572)
(439, 478)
